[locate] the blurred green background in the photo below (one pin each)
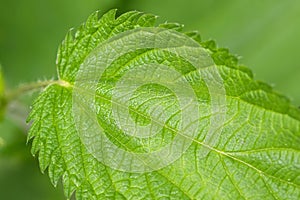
(264, 33)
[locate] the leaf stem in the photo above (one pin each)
(26, 88)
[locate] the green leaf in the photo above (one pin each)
(148, 112)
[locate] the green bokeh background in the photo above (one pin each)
(264, 33)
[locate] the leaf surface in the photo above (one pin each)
(253, 155)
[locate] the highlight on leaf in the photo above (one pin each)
(149, 111)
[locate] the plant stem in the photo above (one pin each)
(9, 101)
(25, 88)
(14, 109)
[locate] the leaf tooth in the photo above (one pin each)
(246, 70)
(125, 16)
(109, 16)
(294, 112)
(36, 145)
(91, 25)
(32, 116)
(68, 42)
(92, 20)
(195, 35)
(31, 133)
(222, 57)
(44, 158)
(59, 56)
(68, 184)
(65, 49)
(268, 100)
(128, 15)
(130, 18)
(173, 26)
(264, 86)
(147, 20)
(55, 169)
(80, 31)
(210, 44)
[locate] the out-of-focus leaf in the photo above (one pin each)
(2, 100)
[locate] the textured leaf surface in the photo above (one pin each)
(256, 154)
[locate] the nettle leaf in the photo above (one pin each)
(150, 112)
